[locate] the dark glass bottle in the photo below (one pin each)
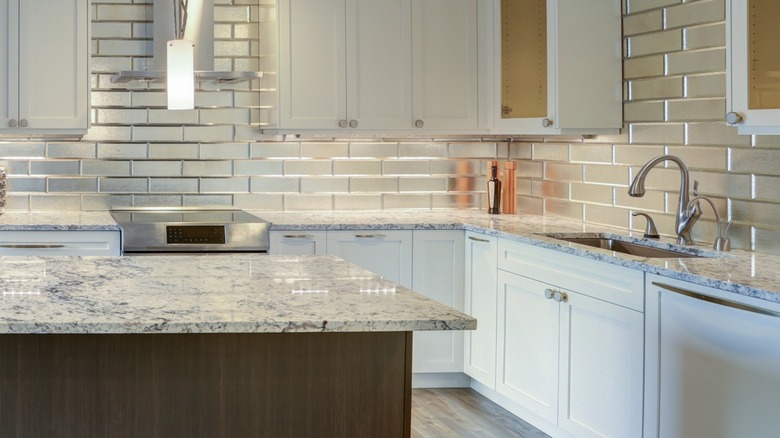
(494, 190)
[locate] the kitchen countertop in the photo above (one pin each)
(16, 220)
(209, 294)
(742, 272)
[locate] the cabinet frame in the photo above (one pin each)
(757, 121)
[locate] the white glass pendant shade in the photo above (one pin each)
(181, 75)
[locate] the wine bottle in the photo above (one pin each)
(494, 190)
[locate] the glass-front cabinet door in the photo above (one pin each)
(557, 67)
(754, 66)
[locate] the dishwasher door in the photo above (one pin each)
(717, 360)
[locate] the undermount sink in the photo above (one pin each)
(633, 248)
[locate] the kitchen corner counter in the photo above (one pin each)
(17, 220)
(742, 272)
(215, 294)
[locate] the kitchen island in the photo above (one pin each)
(207, 346)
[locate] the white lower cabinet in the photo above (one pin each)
(298, 242)
(480, 302)
(438, 274)
(60, 243)
(571, 360)
(385, 252)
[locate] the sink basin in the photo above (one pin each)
(633, 248)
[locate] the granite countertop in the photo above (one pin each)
(229, 294)
(15, 220)
(743, 272)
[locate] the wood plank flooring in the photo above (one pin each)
(462, 412)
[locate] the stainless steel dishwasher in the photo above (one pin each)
(713, 363)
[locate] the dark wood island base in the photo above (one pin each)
(206, 385)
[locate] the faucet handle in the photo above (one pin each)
(650, 231)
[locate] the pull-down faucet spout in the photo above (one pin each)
(686, 216)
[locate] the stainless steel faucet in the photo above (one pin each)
(686, 215)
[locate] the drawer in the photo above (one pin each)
(604, 281)
(60, 243)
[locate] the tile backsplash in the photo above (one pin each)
(137, 153)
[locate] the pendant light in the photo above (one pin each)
(181, 62)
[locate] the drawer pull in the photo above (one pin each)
(31, 246)
(297, 236)
(556, 295)
(477, 239)
(369, 236)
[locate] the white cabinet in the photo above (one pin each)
(480, 302)
(753, 68)
(711, 362)
(384, 252)
(570, 343)
(528, 325)
(558, 66)
(345, 64)
(438, 274)
(44, 67)
(60, 243)
(385, 65)
(298, 242)
(446, 63)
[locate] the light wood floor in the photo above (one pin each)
(462, 412)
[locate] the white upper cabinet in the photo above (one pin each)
(558, 66)
(446, 63)
(345, 64)
(753, 68)
(44, 67)
(384, 65)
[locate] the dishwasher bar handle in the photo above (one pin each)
(720, 301)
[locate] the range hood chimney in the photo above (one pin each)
(199, 29)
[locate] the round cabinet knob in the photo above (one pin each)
(560, 296)
(549, 293)
(419, 123)
(547, 122)
(353, 123)
(12, 123)
(733, 118)
(23, 123)
(342, 123)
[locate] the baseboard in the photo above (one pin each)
(440, 380)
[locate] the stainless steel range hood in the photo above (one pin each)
(200, 30)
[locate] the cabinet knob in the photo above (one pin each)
(353, 123)
(342, 123)
(12, 123)
(419, 123)
(549, 293)
(23, 123)
(547, 122)
(560, 296)
(733, 118)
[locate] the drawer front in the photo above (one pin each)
(604, 281)
(60, 243)
(298, 242)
